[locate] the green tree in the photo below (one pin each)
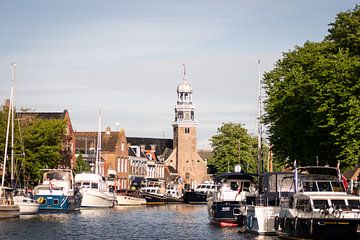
(312, 109)
(81, 165)
(43, 145)
(231, 138)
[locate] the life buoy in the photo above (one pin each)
(40, 200)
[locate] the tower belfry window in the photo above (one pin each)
(187, 130)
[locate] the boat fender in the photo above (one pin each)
(285, 223)
(276, 223)
(311, 227)
(295, 223)
(251, 222)
(40, 200)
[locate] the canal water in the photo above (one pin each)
(171, 221)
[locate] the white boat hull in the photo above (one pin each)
(97, 199)
(123, 200)
(261, 219)
(26, 205)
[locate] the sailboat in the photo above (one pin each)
(26, 204)
(92, 185)
(8, 208)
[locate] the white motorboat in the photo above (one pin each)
(127, 200)
(94, 191)
(26, 204)
(263, 205)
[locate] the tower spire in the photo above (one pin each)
(184, 66)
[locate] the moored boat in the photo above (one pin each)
(226, 205)
(26, 203)
(94, 191)
(7, 207)
(58, 192)
(320, 207)
(199, 194)
(153, 192)
(263, 205)
(128, 200)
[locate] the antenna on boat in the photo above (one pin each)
(259, 122)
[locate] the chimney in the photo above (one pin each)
(108, 131)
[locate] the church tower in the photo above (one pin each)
(184, 158)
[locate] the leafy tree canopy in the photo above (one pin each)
(37, 145)
(312, 109)
(233, 145)
(81, 165)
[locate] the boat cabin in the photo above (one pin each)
(58, 179)
(149, 186)
(232, 186)
(272, 186)
(205, 187)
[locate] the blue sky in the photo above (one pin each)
(126, 57)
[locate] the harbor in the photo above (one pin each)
(169, 120)
(170, 221)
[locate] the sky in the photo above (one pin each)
(126, 57)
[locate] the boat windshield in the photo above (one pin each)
(63, 176)
(322, 186)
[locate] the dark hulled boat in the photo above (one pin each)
(199, 194)
(320, 208)
(227, 204)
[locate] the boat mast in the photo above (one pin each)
(259, 123)
(98, 146)
(8, 124)
(12, 128)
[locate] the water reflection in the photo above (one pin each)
(177, 221)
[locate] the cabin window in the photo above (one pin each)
(309, 186)
(261, 184)
(320, 204)
(338, 203)
(354, 204)
(56, 202)
(272, 184)
(324, 186)
(337, 187)
(94, 185)
(303, 204)
(234, 186)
